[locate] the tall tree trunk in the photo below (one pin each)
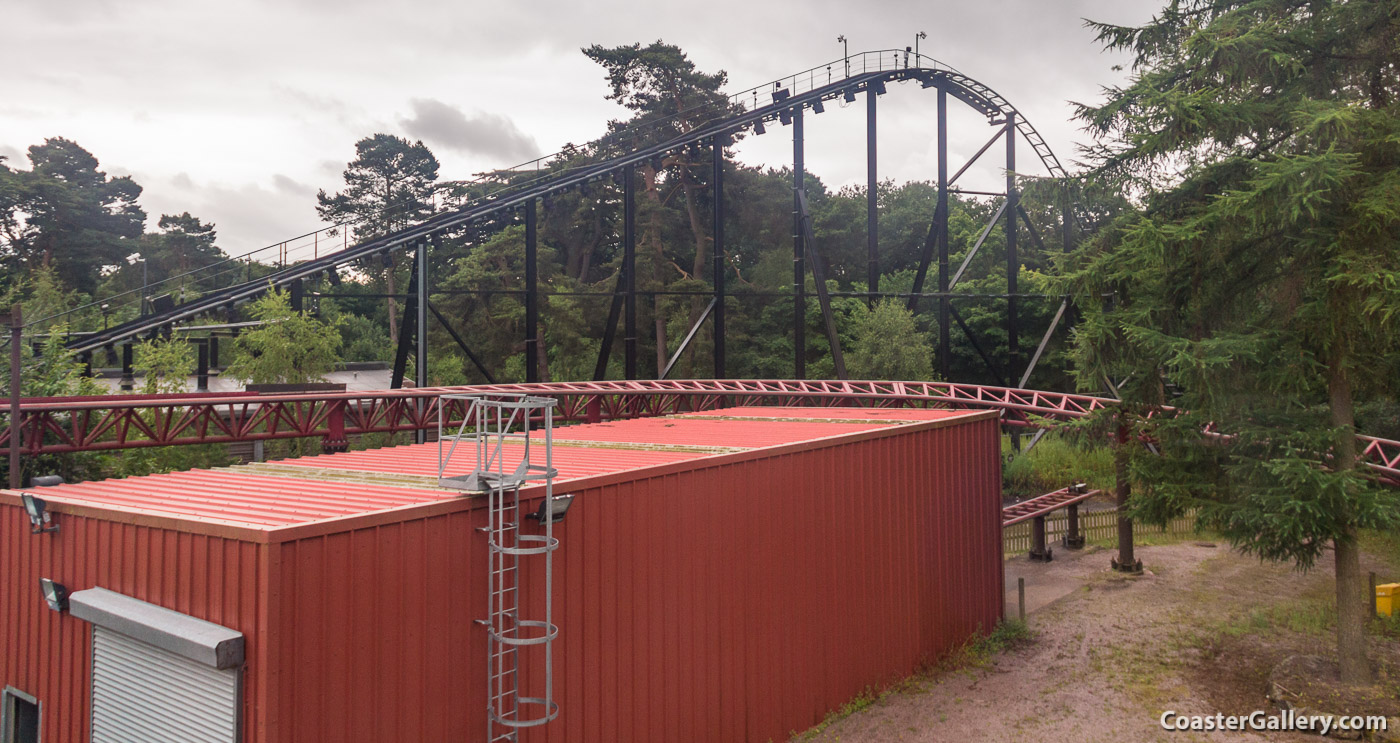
(651, 235)
(1352, 601)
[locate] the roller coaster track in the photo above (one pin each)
(65, 425)
(770, 102)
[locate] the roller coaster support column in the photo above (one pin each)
(1013, 265)
(799, 268)
(944, 301)
(532, 307)
(629, 269)
(872, 209)
(16, 430)
(1013, 261)
(298, 295)
(717, 184)
(128, 380)
(201, 369)
(420, 357)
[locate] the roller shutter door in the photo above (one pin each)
(141, 693)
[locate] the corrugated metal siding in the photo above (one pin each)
(142, 694)
(733, 602)
(48, 654)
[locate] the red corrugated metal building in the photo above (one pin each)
(723, 576)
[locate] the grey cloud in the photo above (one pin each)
(491, 135)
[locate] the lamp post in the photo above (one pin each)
(920, 35)
(106, 312)
(845, 52)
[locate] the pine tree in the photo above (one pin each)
(1261, 275)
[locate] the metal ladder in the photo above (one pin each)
(497, 428)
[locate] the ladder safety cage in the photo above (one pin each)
(503, 434)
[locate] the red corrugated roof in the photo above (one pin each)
(317, 488)
(854, 414)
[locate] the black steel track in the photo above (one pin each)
(976, 95)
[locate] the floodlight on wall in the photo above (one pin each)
(553, 509)
(40, 520)
(56, 594)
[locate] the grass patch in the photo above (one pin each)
(1054, 463)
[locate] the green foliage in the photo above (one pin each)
(289, 347)
(388, 186)
(1262, 276)
(889, 345)
(1057, 461)
(67, 215)
(165, 364)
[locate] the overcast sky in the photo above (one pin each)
(238, 111)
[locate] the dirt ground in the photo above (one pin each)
(1198, 633)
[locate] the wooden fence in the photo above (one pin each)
(1098, 527)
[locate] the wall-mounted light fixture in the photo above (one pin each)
(818, 107)
(56, 594)
(40, 520)
(850, 95)
(553, 508)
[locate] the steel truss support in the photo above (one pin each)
(462, 344)
(629, 271)
(532, 294)
(991, 367)
(406, 332)
(872, 206)
(717, 248)
(600, 370)
(420, 324)
(945, 347)
(799, 271)
(967, 260)
(1013, 260)
(819, 280)
(690, 336)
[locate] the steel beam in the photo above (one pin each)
(532, 298)
(462, 344)
(406, 332)
(972, 339)
(872, 206)
(600, 370)
(1044, 341)
(799, 271)
(973, 159)
(819, 281)
(689, 336)
(1013, 260)
(629, 272)
(420, 358)
(945, 347)
(717, 248)
(967, 260)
